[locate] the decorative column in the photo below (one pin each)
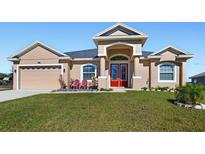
(183, 73)
(136, 66)
(102, 79)
(102, 66)
(136, 76)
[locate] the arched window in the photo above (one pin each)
(119, 57)
(88, 71)
(167, 72)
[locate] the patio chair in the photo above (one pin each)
(84, 84)
(76, 84)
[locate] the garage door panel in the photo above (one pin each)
(39, 77)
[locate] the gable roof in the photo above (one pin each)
(121, 26)
(93, 53)
(132, 34)
(171, 49)
(35, 44)
(198, 75)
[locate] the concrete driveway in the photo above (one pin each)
(14, 94)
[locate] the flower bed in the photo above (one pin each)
(191, 96)
(197, 106)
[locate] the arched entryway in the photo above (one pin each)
(119, 70)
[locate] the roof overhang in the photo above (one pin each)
(171, 48)
(33, 45)
(141, 38)
(13, 59)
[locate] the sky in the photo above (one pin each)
(76, 36)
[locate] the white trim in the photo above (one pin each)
(185, 56)
(175, 72)
(81, 70)
(129, 37)
(102, 55)
(38, 43)
(102, 77)
(117, 62)
(85, 59)
(172, 47)
(24, 65)
(13, 59)
(62, 58)
(116, 25)
(137, 77)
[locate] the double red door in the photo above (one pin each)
(119, 75)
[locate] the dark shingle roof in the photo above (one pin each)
(89, 53)
(199, 75)
(93, 53)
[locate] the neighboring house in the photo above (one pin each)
(199, 78)
(118, 61)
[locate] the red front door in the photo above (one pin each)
(119, 75)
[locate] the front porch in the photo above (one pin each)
(119, 67)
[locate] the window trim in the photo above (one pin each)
(81, 76)
(169, 63)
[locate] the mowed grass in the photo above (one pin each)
(131, 111)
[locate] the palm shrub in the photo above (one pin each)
(190, 93)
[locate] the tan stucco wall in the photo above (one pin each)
(143, 72)
(168, 56)
(76, 68)
(44, 56)
(39, 54)
(14, 77)
(112, 52)
(147, 70)
(154, 77)
(104, 44)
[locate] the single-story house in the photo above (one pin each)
(199, 78)
(117, 61)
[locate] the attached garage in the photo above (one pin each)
(39, 77)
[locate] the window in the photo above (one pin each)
(194, 80)
(166, 72)
(88, 71)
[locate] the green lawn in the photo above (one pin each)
(131, 111)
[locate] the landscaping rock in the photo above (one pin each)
(198, 107)
(188, 105)
(203, 106)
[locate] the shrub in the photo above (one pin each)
(164, 88)
(190, 93)
(2, 82)
(144, 88)
(158, 88)
(152, 88)
(94, 82)
(103, 89)
(62, 83)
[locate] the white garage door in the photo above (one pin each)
(39, 77)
